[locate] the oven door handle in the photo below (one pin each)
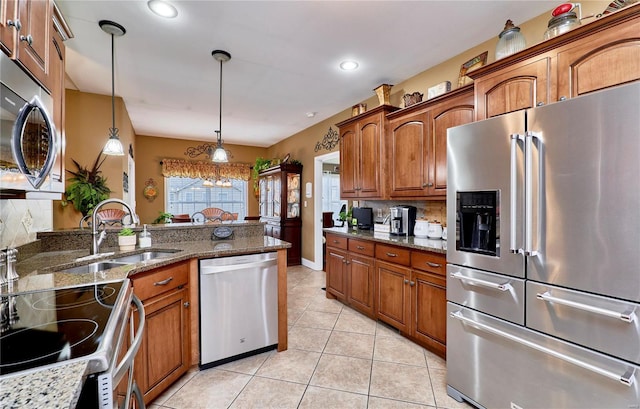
(127, 361)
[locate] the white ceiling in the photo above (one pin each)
(285, 57)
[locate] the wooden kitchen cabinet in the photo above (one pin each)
(518, 87)
(33, 38)
(280, 206)
(164, 355)
(393, 295)
(597, 55)
(429, 301)
(8, 31)
(362, 154)
(350, 272)
(417, 144)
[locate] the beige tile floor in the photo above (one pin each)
(337, 358)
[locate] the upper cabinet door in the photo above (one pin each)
(408, 146)
(348, 161)
(34, 37)
(8, 30)
(458, 111)
(609, 58)
(370, 157)
(522, 87)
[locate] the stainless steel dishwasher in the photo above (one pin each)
(238, 307)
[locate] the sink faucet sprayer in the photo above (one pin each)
(96, 239)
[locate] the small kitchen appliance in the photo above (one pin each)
(434, 230)
(364, 217)
(421, 229)
(403, 220)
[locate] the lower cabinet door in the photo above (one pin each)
(164, 354)
(392, 295)
(360, 294)
(336, 277)
(429, 310)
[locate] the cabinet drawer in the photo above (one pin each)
(361, 247)
(431, 262)
(393, 254)
(158, 281)
(336, 241)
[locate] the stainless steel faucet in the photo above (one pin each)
(96, 239)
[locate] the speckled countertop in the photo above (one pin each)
(435, 246)
(59, 386)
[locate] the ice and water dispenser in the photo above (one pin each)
(477, 220)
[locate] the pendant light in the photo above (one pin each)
(113, 146)
(220, 155)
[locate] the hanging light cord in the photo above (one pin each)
(113, 87)
(220, 125)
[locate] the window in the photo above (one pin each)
(188, 196)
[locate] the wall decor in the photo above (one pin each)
(204, 149)
(411, 99)
(438, 89)
(475, 62)
(329, 141)
(383, 92)
(150, 191)
(358, 109)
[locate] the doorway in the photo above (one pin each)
(327, 198)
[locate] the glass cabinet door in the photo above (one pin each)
(263, 196)
(269, 196)
(293, 195)
(277, 195)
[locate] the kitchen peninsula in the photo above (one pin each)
(41, 266)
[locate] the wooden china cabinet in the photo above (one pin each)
(280, 206)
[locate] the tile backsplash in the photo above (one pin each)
(21, 220)
(432, 210)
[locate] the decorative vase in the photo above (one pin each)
(127, 243)
(384, 93)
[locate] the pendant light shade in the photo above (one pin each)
(113, 146)
(220, 154)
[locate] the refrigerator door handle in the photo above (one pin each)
(627, 379)
(513, 193)
(484, 283)
(627, 316)
(528, 195)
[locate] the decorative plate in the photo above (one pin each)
(286, 158)
(222, 232)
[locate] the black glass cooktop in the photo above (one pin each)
(45, 327)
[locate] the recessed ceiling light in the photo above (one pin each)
(348, 65)
(162, 8)
(311, 114)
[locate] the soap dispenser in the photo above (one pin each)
(145, 238)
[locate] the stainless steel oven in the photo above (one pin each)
(31, 163)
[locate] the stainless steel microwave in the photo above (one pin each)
(30, 146)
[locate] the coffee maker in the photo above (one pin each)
(403, 219)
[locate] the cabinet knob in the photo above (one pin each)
(406, 281)
(429, 184)
(539, 104)
(347, 261)
(186, 304)
(360, 247)
(562, 98)
(28, 39)
(412, 283)
(425, 185)
(17, 24)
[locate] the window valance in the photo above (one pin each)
(205, 169)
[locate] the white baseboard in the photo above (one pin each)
(312, 265)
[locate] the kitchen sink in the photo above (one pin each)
(146, 256)
(94, 267)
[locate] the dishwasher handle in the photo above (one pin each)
(215, 269)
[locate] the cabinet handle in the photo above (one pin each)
(28, 39)
(187, 304)
(391, 254)
(163, 282)
(360, 247)
(424, 185)
(344, 261)
(17, 24)
(434, 265)
(406, 281)
(429, 184)
(412, 283)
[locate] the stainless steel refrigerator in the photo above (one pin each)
(543, 269)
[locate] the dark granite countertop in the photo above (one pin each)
(432, 245)
(62, 382)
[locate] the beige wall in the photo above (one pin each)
(151, 150)
(88, 119)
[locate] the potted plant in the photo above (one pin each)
(164, 217)
(126, 239)
(87, 187)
